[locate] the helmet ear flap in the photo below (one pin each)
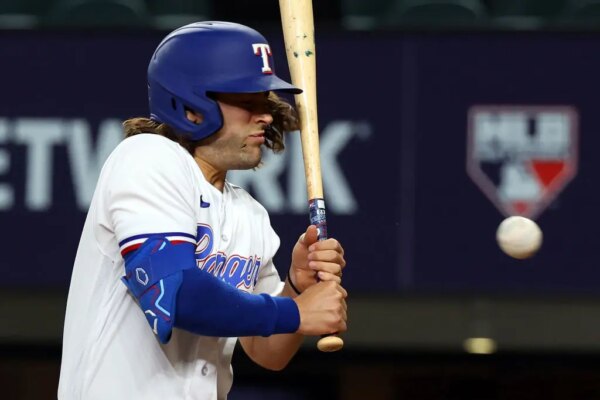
(171, 109)
(196, 117)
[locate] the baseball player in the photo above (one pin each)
(175, 262)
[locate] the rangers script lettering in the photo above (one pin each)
(239, 271)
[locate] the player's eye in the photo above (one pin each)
(257, 106)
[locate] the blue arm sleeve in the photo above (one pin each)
(211, 307)
(172, 291)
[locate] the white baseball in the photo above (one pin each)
(519, 237)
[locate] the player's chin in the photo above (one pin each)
(250, 160)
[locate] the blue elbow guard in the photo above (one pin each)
(153, 274)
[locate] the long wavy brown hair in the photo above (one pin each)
(285, 119)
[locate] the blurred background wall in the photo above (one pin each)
(438, 119)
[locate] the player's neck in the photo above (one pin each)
(213, 175)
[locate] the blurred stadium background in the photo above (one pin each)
(438, 119)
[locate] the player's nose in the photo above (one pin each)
(264, 117)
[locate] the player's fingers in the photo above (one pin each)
(327, 244)
(340, 327)
(343, 327)
(327, 256)
(344, 315)
(330, 256)
(342, 291)
(324, 266)
(310, 236)
(329, 277)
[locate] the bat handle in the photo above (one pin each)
(316, 209)
(327, 343)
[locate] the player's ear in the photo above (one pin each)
(194, 116)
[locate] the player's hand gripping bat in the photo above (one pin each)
(299, 36)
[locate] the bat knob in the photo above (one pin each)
(330, 343)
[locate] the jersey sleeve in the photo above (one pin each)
(150, 191)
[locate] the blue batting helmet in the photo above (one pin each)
(208, 57)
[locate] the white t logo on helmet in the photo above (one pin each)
(263, 50)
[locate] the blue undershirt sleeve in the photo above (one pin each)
(211, 307)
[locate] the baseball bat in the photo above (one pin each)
(299, 36)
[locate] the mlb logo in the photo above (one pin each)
(522, 157)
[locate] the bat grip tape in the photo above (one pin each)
(316, 209)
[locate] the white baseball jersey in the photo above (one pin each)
(151, 185)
